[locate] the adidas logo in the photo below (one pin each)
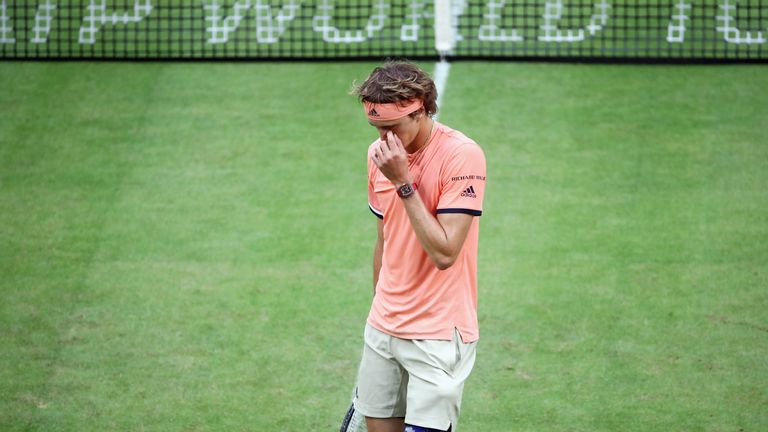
(469, 192)
(373, 113)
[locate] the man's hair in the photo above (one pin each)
(399, 81)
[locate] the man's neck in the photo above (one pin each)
(421, 140)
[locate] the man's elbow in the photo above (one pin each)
(444, 262)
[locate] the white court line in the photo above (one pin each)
(441, 80)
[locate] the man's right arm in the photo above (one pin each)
(378, 251)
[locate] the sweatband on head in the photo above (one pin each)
(391, 111)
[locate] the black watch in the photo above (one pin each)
(405, 190)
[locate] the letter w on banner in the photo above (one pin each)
(269, 28)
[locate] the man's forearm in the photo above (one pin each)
(437, 243)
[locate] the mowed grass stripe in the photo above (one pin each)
(64, 158)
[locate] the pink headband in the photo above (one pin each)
(391, 111)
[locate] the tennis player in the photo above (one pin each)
(425, 186)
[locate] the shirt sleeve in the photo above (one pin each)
(463, 182)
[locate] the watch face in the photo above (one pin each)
(405, 190)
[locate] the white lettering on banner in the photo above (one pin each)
(43, 19)
(273, 17)
(97, 17)
(492, 31)
(268, 29)
(322, 23)
(731, 33)
(409, 32)
(676, 28)
(6, 31)
(219, 29)
(553, 12)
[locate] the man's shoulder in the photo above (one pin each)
(371, 148)
(456, 142)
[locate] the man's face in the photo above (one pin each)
(405, 128)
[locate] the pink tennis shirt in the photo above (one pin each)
(414, 299)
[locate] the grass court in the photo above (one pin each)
(187, 246)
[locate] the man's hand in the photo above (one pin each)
(392, 159)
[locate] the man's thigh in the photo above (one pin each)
(437, 370)
(381, 381)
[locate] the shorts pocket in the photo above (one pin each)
(458, 344)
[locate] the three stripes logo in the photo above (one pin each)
(373, 113)
(469, 192)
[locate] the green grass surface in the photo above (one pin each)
(623, 277)
(187, 246)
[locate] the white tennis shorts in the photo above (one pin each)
(421, 380)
